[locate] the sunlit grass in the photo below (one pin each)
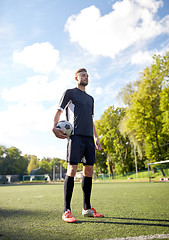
(130, 209)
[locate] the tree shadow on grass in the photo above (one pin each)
(122, 221)
(4, 213)
(26, 224)
(128, 221)
(15, 227)
(142, 219)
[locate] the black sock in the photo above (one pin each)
(87, 187)
(68, 190)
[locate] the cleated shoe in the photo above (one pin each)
(67, 217)
(91, 213)
(87, 213)
(96, 214)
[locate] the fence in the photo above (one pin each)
(142, 175)
(10, 178)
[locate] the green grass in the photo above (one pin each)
(131, 176)
(131, 209)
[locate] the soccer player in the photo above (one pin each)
(81, 144)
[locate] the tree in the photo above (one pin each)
(45, 167)
(113, 142)
(3, 153)
(11, 161)
(100, 164)
(147, 112)
(164, 107)
(33, 164)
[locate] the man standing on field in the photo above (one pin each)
(81, 147)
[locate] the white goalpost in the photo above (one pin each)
(154, 163)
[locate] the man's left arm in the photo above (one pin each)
(97, 141)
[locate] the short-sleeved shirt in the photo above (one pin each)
(79, 108)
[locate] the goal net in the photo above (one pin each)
(158, 171)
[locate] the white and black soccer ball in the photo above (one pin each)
(66, 127)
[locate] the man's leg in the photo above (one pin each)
(69, 185)
(68, 190)
(87, 185)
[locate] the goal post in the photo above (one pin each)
(155, 164)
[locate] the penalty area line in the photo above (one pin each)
(156, 236)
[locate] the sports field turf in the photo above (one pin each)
(131, 209)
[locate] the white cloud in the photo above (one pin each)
(56, 148)
(110, 91)
(19, 118)
(27, 110)
(29, 127)
(142, 58)
(40, 87)
(42, 57)
(37, 89)
(145, 57)
(98, 91)
(151, 4)
(129, 23)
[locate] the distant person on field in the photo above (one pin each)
(81, 144)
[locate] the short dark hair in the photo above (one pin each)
(80, 70)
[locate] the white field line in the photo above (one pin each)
(156, 236)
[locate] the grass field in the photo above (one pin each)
(131, 209)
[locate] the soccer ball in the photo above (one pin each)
(65, 126)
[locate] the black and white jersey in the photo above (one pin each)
(79, 108)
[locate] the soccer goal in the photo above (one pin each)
(33, 178)
(159, 171)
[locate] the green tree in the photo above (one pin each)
(146, 116)
(12, 162)
(113, 142)
(33, 164)
(45, 166)
(100, 164)
(54, 162)
(3, 153)
(164, 107)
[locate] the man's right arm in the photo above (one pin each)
(58, 132)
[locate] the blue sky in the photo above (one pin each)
(43, 43)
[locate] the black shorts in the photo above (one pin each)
(80, 149)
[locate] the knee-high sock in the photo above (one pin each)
(68, 190)
(87, 187)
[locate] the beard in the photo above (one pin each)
(84, 84)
